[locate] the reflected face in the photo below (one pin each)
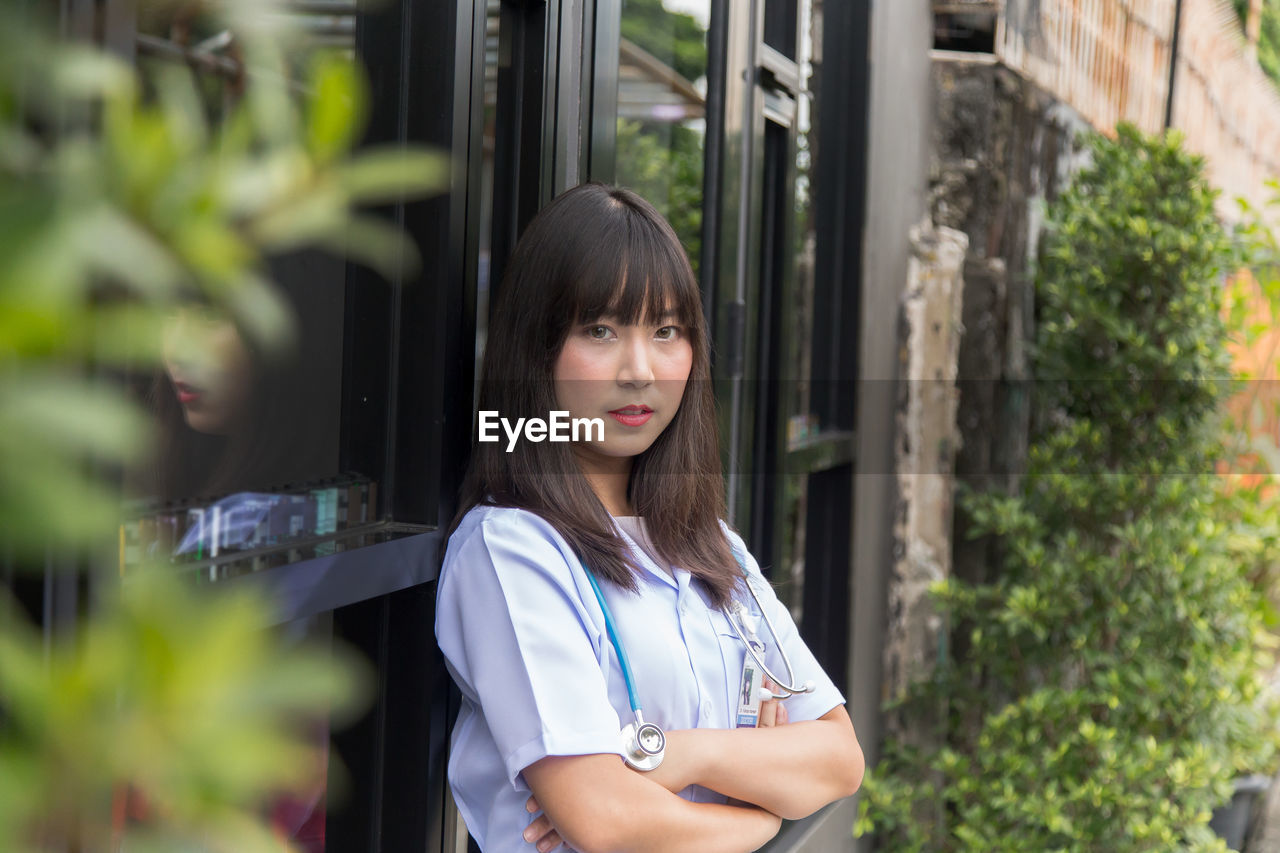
(631, 377)
(210, 369)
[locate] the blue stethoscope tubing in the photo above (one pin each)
(644, 743)
(617, 644)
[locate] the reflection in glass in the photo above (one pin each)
(246, 461)
(802, 424)
(207, 363)
(247, 446)
(232, 416)
(489, 137)
(788, 578)
(246, 471)
(194, 34)
(662, 86)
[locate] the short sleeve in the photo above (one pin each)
(521, 644)
(802, 706)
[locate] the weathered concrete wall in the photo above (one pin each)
(1001, 149)
(924, 456)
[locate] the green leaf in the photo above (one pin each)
(82, 72)
(263, 313)
(387, 175)
(336, 107)
(378, 245)
(113, 244)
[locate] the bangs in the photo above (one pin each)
(637, 271)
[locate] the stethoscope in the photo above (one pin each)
(644, 743)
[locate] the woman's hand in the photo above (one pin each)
(772, 711)
(541, 833)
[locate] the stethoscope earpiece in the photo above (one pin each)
(787, 688)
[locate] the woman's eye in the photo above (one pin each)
(668, 333)
(599, 333)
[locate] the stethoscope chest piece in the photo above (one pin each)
(643, 745)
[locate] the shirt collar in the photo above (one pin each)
(647, 563)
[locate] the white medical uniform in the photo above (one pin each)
(525, 640)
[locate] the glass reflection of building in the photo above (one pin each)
(661, 136)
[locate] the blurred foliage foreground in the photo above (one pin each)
(1106, 682)
(120, 197)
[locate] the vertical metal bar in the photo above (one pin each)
(840, 183)
(77, 20)
(748, 126)
(775, 318)
(602, 152)
(62, 599)
(548, 111)
(572, 88)
(518, 147)
(119, 28)
(465, 195)
(713, 162)
(1173, 62)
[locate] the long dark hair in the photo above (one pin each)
(597, 251)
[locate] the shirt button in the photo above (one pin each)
(706, 708)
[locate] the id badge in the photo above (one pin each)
(749, 694)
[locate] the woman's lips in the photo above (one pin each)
(632, 416)
(186, 393)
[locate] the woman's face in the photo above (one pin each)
(631, 377)
(210, 370)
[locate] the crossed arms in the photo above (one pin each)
(596, 804)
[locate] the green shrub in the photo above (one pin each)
(1105, 690)
(1268, 35)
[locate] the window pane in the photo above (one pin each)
(662, 87)
(247, 470)
(780, 26)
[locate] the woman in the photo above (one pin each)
(600, 316)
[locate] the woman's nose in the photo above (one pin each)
(175, 338)
(636, 369)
